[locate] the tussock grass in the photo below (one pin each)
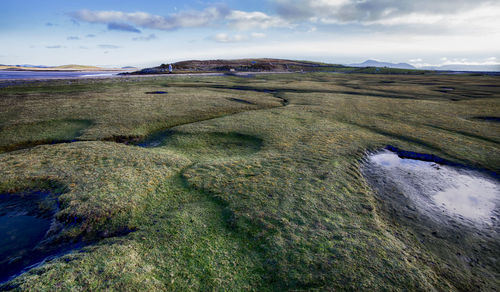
(264, 195)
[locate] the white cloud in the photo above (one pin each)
(183, 19)
(466, 61)
(237, 38)
(475, 13)
(226, 38)
(483, 18)
(250, 20)
(411, 18)
(258, 35)
(241, 20)
(444, 61)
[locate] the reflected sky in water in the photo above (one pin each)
(463, 193)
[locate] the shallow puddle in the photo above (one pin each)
(440, 191)
(445, 89)
(446, 210)
(157, 92)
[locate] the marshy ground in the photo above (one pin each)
(230, 183)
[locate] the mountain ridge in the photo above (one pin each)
(374, 63)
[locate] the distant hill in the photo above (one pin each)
(373, 63)
(242, 65)
(247, 65)
(77, 67)
(283, 65)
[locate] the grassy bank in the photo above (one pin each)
(256, 185)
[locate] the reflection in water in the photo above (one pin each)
(471, 197)
(462, 193)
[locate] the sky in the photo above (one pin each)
(146, 33)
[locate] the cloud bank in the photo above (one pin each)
(250, 20)
(381, 12)
(185, 19)
(124, 21)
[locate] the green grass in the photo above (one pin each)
(44, 132)
(203, 146)
(243, 196)
(115, 108)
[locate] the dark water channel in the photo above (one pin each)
(156, 92)
(26, 223)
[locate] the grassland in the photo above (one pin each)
(255, 184)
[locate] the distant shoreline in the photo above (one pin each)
(117, 75)
(62, 70)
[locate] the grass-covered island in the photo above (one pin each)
(229, 183)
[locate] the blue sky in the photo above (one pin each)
(145, 33)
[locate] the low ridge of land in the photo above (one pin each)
(264, 65)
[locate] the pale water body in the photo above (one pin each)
(27, 75)
(441, 190)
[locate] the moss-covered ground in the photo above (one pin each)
(253, 184)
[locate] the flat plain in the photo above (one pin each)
(245, 183)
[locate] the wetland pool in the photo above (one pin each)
(440, 191)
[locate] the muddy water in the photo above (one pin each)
(442, 191)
